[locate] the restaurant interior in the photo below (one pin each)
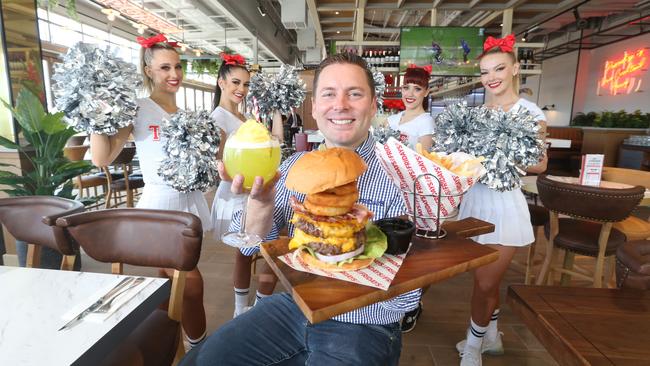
(577, 295)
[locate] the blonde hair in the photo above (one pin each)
(516, 80)
(146, 57)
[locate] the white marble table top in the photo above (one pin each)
(33, 301)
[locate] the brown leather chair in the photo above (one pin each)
(32, 220)
(588, 229)
(633, 265)
(127, 183)
(633, 227)
(150, 238)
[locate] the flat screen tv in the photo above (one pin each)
(451, 51)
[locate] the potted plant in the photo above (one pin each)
(48, 172)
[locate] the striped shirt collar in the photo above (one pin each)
(367, 149)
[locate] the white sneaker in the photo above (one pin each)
(492, 347)
(240, 312)
(470, 357)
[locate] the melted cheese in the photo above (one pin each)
(340, 229)
(300, 238)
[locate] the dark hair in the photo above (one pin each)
(346, 58)
(224, 70)
(146, 56)
(418, 76)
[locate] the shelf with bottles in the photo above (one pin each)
(382, 58)
(526, 57)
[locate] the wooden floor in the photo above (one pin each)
(442, 323)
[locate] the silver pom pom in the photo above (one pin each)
(381, 134)
(190, 142)
(96, 90)
(380, 87)
(281, 92)
(509, 141)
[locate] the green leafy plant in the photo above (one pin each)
(608, 119)
(203, 66)
(46, 135)
(71, 6)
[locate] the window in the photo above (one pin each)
(180, 98)
(189, 99)
(207, 100)
(199, 100)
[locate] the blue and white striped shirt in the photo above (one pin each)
(381, 196)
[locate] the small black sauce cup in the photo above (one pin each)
(398, 232)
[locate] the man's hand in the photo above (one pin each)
(260, 203)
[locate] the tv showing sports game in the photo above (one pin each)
(451, 51)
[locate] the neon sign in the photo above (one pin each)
(624, 75)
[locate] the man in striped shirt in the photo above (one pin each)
(275, 331)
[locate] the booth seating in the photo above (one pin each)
(633, 265)
(588, 229)
(565, 161)
(148, 238)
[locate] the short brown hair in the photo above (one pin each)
(146, 55)
(346, 58)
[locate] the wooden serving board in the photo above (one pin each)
(428, 261)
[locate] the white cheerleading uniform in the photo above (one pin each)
(508, 210)
(225, 202)
(411, 131)
(149, 145)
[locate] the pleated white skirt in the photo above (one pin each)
(163, 197)
(224, 205)
(508, 211)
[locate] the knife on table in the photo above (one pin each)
(97, 304)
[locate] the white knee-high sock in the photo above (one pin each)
(259, 296)
(492, 330)
(475, 335)
(195, 342)
(241, 299)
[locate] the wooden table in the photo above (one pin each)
(586, 326)
(428, 261)
(32, 302)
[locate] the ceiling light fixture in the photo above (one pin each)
(197, 53)
(337, 12)
(183, 46)
(111, 14)
(525, 37)
(140, 27)
(138, 14)
(338, 32)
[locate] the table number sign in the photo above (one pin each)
(591, 169)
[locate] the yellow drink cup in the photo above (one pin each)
(252, 159)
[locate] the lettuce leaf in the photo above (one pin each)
(376, 242)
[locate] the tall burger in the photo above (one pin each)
(330, 227)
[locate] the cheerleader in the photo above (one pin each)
(162, 74)
(414, 123)
(508, 210)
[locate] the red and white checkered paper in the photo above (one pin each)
(379, 274)
(404, 165)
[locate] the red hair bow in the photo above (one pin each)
(426, 68)
(158, 38)
(233, 59)
(506, 44)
